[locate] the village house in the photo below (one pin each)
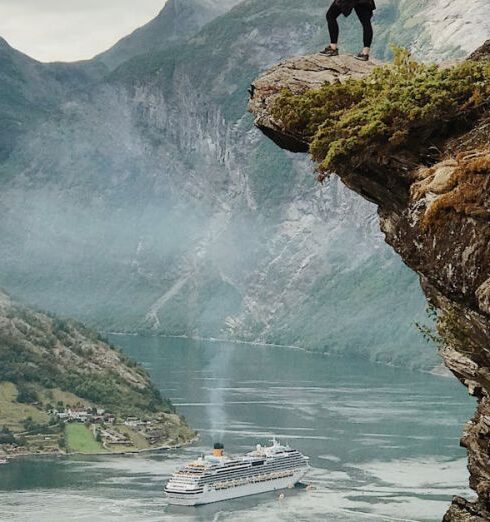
(84, 415)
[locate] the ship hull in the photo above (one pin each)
(211, 495)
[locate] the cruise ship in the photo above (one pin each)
(217, 477)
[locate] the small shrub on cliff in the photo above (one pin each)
(448, 330)
(351, 122)
(26, 394)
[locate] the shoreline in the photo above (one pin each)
(215, 340)
(166, 447)
(440, 370)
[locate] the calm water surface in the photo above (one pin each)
(383, 442)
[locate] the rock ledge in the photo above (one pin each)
(298, 75)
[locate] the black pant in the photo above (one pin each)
(363, 12)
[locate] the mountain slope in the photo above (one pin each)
(431, 29)
(178, 20)
(31, 92)
(148, 209)
(28, 93)
(50, 365)
(53, 353)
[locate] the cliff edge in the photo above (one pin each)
(430, 180)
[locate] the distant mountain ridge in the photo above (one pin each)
(178, 20)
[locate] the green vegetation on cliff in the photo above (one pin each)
(374, 116)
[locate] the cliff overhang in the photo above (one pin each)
(433, 197)
(297, 76)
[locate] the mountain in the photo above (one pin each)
(445, 29)
(31, 92)
(140, 202)
(51, 352)
(28, 94)
(47, 362)
(177, 21)
(430, 182)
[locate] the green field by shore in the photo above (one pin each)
(80, 439)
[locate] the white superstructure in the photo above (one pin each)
(219, 477)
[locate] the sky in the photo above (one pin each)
(69, 30)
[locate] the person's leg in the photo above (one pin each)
(333, 26)
(365, 14)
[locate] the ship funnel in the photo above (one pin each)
(219, 449)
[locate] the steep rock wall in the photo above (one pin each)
(434, 210)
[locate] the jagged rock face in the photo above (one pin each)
(449, 24)
(437, 217)
(482, 53)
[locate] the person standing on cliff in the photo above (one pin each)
(364, 11)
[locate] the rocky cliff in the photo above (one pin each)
(432, 193)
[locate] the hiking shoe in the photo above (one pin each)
(361, 56)
(328, 51)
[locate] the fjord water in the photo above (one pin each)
(383, 441)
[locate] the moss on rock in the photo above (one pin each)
(349, 123)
